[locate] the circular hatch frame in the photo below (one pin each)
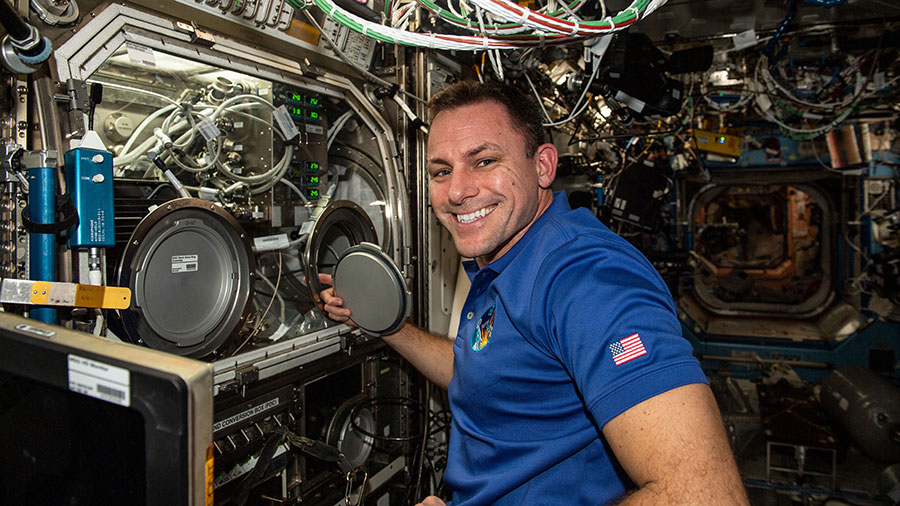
(230, 280)
(344, 217)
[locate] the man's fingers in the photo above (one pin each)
(330, 298)
(333, 305)
(339, 313)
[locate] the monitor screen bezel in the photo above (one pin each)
(173, 394)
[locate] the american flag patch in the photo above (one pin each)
(627, 349)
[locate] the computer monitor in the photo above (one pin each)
(89, 421)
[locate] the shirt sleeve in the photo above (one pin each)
(610, 321)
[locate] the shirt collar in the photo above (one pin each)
(559, 206)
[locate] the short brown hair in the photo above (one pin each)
(523, 110)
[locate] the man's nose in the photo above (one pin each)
(462, 186)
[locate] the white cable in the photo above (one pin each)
(337, 126)
(296, 190)
(341, 54)
(411, 115)
(274, 292)
(432, 40)
(119, 160)
(578, 108)
(540, 100)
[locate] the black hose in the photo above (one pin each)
(20, 32)
(18, 29)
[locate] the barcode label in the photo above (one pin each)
(271, 242)
(103, 389)
(140, 55)
(100, 381)
(184, 263)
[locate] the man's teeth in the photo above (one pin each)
(469, 218)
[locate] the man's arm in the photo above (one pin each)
(432, 355)
(674, 448)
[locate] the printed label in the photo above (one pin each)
(184, 263)
(140, 55)
(101, 381)
(285, 123)
(34, 330)
(315, 129)
(243, 415)
(208, 129)
(271, 242)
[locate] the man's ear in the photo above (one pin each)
(546, 158)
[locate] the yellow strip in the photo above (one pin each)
(40, 292)
(104, 297)
(210, 473)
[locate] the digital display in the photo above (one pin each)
(312, 193)
(312, 180)
(296, 111)
(296, 97)
(314, 115)
(312, 167)
(313, 101)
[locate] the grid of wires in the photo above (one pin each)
(806, 100)
(829, 96)
(493, 24)
(186, 122)
(803, 100)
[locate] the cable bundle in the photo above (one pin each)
(499, 24)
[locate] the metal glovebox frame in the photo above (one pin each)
(84, 50)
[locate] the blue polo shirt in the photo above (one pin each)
(568, 329)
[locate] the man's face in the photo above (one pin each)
(483, 187)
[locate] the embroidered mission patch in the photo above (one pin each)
(482, 334)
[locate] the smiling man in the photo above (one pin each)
(569, 381)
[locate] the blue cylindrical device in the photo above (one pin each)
(41, 167)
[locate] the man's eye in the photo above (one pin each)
(485, 162)
(440, 173)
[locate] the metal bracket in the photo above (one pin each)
(78, 103)
(8, 152)
(79, 97)
(246, 376)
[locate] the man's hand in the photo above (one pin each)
(432, 355)
(431, 501)
(333, 306)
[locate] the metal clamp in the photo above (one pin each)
(350, 476)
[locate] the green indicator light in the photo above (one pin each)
(297, 97)
(313, 101)
(313, 180)
(721, 140)
(296, 111)
(312, 194)
(314, 115)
